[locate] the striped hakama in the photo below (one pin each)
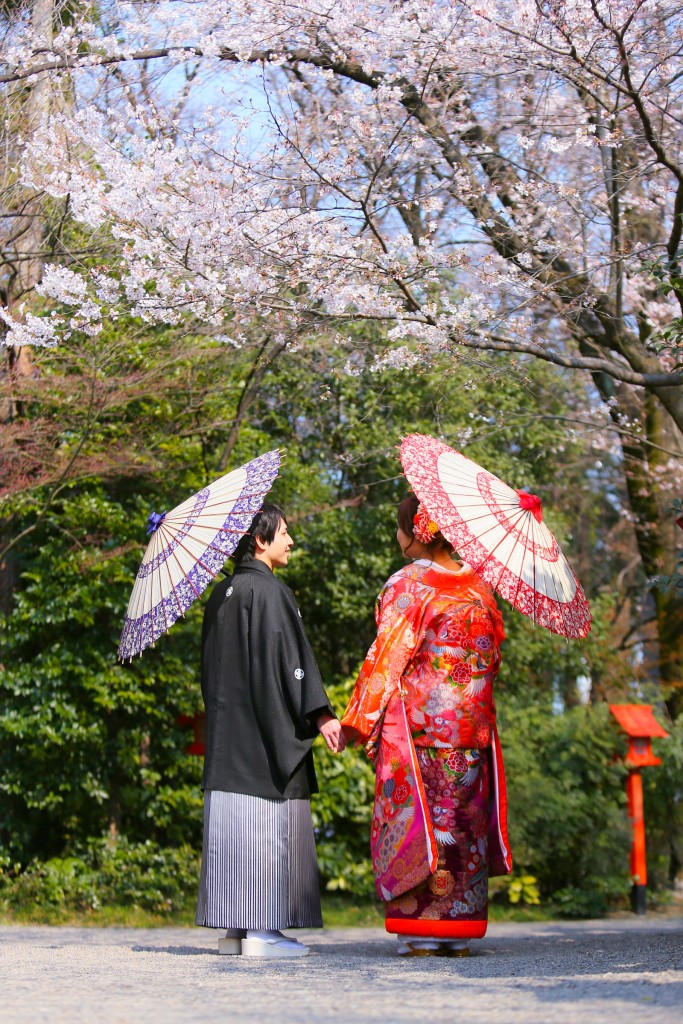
(259, 868)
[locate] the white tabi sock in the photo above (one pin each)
(271, 935)
(265, 934)
(418, 941)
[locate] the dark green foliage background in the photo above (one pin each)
(93, 770)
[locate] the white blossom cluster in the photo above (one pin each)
(313, 163)
(30, 330)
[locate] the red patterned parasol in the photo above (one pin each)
(500, 532)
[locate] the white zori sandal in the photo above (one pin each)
(271, 943)
(231, 943)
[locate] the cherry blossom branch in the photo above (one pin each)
(644, 380)
(611, 428)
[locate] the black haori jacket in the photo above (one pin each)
(261, 687)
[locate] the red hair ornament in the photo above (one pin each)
(424, 527)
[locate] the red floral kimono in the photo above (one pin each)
(423, 706)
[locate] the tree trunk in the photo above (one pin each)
(650, 500)
(27, 232)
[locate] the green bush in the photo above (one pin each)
(568, 823)
(87, 743)
(106, 872)
(342, 812)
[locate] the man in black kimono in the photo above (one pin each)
(265, 704)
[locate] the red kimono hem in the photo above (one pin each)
(437, 929)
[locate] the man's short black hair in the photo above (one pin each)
(264, 525)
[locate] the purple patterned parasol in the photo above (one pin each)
(188, 548)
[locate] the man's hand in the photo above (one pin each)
(330, 729)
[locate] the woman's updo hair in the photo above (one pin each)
(405, 515)
(264, 525)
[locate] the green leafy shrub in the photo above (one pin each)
(342, 812)
(568, 823)
(107, 872)
(521, 889)
(87, 743)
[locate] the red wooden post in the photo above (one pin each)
(198, 723)
(634, 794)
(640, 725)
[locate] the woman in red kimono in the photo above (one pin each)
(423, 707)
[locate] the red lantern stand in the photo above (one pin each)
(640, 725)
(198, 723)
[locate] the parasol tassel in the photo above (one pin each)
(531, 503)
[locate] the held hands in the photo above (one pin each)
(331, 730)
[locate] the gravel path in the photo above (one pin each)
(624, 971)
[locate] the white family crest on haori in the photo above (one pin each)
(500, 532)
(188, 548)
